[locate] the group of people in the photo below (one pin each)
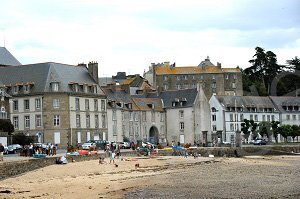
(49, 149)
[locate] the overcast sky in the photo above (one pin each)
(129, 35)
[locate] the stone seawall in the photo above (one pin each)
(9, 169)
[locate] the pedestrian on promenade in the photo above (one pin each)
(1, 151)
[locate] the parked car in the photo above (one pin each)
(88, 145)
(14, 148)
(5, 150)
(259, 142)
(101, 144)
(124, 145)
(145, 144)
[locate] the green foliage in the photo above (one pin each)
(295, 131)
(245, 128)
(253, 128)
(265, 129)
(6, 126)
(285, 131)
(22, 139)
(275, 130)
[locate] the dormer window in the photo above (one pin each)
(26, 88)
(15, 89)
(150, 106)
(55, 86)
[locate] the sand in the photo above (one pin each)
(162, 177)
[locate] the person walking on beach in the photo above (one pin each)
(112, 157)
(1, 151)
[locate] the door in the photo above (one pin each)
(57, 138)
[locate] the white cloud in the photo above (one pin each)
(129, 35)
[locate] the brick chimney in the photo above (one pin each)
(93, 71)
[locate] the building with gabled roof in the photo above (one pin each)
(7, 59)
(57, 103)
(215, 79)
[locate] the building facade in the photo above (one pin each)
(57, 103)
(215, 80)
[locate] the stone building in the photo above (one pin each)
(215, 80)
(57, 103)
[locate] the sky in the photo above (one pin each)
(129, 35)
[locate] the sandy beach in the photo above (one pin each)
(162, 177)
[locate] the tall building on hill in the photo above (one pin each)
(215, 80)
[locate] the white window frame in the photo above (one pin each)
(56, 103)
(38, 103)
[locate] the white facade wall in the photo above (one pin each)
(173, 125)
(21, 112)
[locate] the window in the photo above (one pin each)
(214, 117)
(78, 137)
(144, 116)
(26, 104)
(185, 77)
(181, 114)
(38, 121)
(263, 118)
(213, 77)
(56, 120)
(38, 103)
(181, 126)
(96, 121)
(231, 117)
(241, 117)
(162, 117)
(87, 104)
(15, 105)
(78, 120)
(214, 128)
(103, 105)
(231, 127)
(201, 77)
(256, 117)
(214, 85)
(88, 121)
(234, 76)
(152, 116)
(16, 122)
(55, 86)
(165, 77)
(16, 89)
(77, 104)
(27, 121)
(178, 86)
(233, 85)
(115, 128)
(95, 104)
(136, 116)
(26, 89)
(103, 120)
(56, 103)
(273, 118)
(251, 117)
(287, 117)
(166, 87)
(114, 115)
(268, 118)
(178, 77)
(226, 76)
(193, 77)
(294, 117)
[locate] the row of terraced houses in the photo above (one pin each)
(69, 104)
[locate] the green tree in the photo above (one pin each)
(6, 126)
(295, 131)
(253, 129)
(274, 126)
(265, 129)
(22, 139)
(285, 130)
(294, 63)
(245, 128)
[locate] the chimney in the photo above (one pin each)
(219, 64)
(93, 71)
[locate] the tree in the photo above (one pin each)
(263, 70)
(294, 63)
(285, 131)
(6, 126)
(295, 131)
(274, 126)
(265, 129)
(22, 139)
(253, 129)
(245, 128)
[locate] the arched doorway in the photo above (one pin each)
(153, 135)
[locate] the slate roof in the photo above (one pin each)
(7, 59)
(42, 74)
(187, 96)
(120, 97)
(246, 101)
(281, 101)
(148, 104)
